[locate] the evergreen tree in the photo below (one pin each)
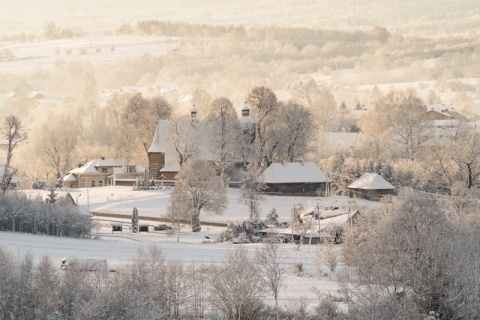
(135, 220)
(52, 197)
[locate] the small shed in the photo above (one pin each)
(370, 186)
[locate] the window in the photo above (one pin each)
(92, 183)
(100, 183)
(104, 170)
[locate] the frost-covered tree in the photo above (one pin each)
(319, 99)
(272, 218)
(264, 103)
(223, 132)
(11, 132)
(251, 190)
(199, 185)
(399, 113)
(135, 220)
(56, 142)
(235, 287)
(270, 258)
(298, 130)
(184, 133)
(179, 209)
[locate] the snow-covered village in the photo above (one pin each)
(251, 160)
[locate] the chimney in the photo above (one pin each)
(80, 164)
(102, 157)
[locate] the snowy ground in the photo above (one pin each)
(154, 203)
(44, 53)
(121, 248)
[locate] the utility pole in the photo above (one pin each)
(318, 217)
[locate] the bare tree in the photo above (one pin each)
(402, 255)
(161, 108)
(251, 190)
(299, 130)
(140, 118)
(179, 210)
(185, 136)
(264, 103)
(319, 99)
(56, 143)
(223, 133)
(235, 287)
(401, 112)
(202, 188)
(269, 258)
(465, 152)
(11, 131)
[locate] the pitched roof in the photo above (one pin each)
(91, 167)
(159, 143)
(69, 177)
(371, 181)
(294, 172)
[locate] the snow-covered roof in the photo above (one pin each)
(294, 172)
(371, 181)
(159, 143)
(69, 178)
(36, 95)
(91, 167)
(171, 167)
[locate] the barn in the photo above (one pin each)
(370, 186)
(295, 178)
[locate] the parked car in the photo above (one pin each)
(240, 240)
(160, 227)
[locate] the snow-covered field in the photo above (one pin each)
(45, 53)
(121, 248)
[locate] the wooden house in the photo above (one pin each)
(370, 186)
(295, 178)
(104, 172)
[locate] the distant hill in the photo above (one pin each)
(410, 16)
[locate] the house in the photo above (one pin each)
(102, 172)
(443, 112)
(295, 178)
(370, 186)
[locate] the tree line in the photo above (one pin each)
(57, 217)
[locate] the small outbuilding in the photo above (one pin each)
(370, 186)
(295, 178)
